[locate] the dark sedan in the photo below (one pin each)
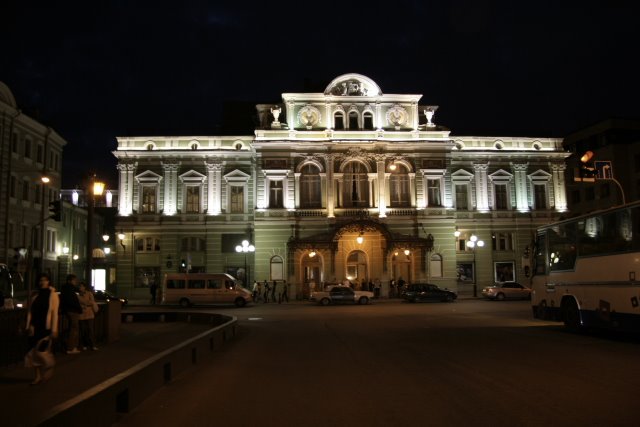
(104, 296)
(427, 292)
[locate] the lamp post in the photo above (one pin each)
(245, 247)
(95, 189)
(474, 243)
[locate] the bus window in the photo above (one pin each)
(562, 247)
(196, 283)
(213, 284)
(175, 284)
(229, 284)
(540, 260)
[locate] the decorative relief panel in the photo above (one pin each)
(397, 116)
(309, 116)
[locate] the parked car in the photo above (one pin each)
(416, 292)
(341, 295)
(506, 290)
(104, 296)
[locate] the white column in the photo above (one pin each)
(412, 189)
(414, 115)
(122, 191)
(382, 187)
(329, 113)
(213, 198)
(559, 189)
(482, 186)
(330, 187)
(379, 121)
(520, 172)
(131, 168)
(296, 189)
(370, 179)
(170, 177)
(290, 116)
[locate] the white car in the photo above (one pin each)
(506, 290)
(341, 295)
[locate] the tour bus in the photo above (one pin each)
(586, 270)
(203, 288)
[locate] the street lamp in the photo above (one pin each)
(245, 248)
(95, 189)
(121, 237)
(474, 243)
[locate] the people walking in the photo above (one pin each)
(89, 308)
(70, 307)
(254, 291)
(42, 325)
(273, 291)
(266, 291)
(285, 291)
(153, 289)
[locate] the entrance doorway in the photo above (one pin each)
(357, 268)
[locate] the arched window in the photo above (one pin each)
(338, 121)
(355, 185)
(353, 120)
(399, 186)
(277, 268)
(435, 265)
(367, 119)
(310, 193)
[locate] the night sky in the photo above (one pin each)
(97, 70)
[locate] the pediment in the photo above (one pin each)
(192, 176)
(237, 175)
(148, 176)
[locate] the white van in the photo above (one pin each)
(203, 288)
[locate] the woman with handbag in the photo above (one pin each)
(42, 326)
(89, 308)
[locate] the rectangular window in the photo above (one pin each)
(39, 154)
(540, 195)
(276, 194)
(462, 197)
(10, 235)
(149, 199)
(148, 244)
(502, 242)
(193, 199)
(237, 199)
(25, 190)
(27, 148)
(433, 186)
(12, 186)
(25, 235)
(14, 143)
(462, 245)
(500, 192)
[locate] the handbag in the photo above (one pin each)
(41, 355)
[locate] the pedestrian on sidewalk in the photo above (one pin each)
(273, 291)
(42, 324)
(266, 291)
(70, 307)
(153, 290)
(89, 308)
(285, 291)
(254, 291)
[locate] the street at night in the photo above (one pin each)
(471, 362)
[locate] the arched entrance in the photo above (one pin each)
(357, 268)
(402, 265)
(312, 272)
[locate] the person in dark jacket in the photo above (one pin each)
(71, 308)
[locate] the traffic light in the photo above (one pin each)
(55, 210)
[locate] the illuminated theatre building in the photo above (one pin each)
(346, 185)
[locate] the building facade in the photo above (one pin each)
(615, 148)
(29, 151)
(348, 185)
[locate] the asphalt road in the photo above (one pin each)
(467, 363)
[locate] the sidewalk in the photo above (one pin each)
(23, 405)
